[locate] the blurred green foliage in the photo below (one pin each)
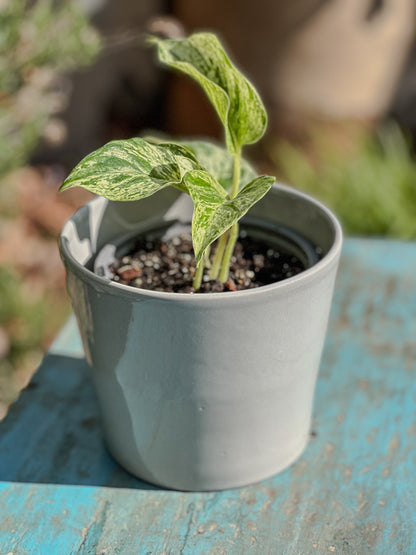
(372, 190)
(20, 315)
(39, 41)
(21, 327)
(27, 324)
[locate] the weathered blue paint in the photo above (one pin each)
(68, 342)
(353, 490)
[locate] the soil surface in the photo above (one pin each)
(169, 266)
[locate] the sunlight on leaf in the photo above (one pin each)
(132, 169)
(236, 101)
(214, 211)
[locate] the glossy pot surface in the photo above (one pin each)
(202, 391)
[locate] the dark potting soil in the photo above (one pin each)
(169, 266)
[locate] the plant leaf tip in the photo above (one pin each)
(64, 186)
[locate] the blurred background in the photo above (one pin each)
(338, 79)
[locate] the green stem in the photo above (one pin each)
(196, 284)
(233, 235)
(236, 174)
(207, 254)
(219, 253)
(225, 267)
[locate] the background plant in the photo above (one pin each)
(137, 168)
(39, 41)
(372, 189)
(23, 325)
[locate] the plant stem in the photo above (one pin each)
(232, 239)
(207, 254)
(199, 274)
(236, 174)
(219, 253)
(196, 284)
(233, 234)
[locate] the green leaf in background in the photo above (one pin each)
(214, 211)
(39, 42)
(218, 161)
(236, 101)
(132, 169)
(372, 188)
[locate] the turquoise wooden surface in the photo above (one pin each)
(353, 490)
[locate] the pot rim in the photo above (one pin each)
(136, 293)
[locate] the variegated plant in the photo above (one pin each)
(222, 185)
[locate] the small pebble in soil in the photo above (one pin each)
(169, 266)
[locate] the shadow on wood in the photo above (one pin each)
(53, 433)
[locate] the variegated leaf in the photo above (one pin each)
(214, 211)
(218, 161)
(236, 101)
(132, 169)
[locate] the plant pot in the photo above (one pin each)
(203, 391)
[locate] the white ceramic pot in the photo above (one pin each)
(202, 391)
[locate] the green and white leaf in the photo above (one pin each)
(214, 211)
(219, 162)
(132, 169)
(236, 101)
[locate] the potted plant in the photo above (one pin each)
(200, 390)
